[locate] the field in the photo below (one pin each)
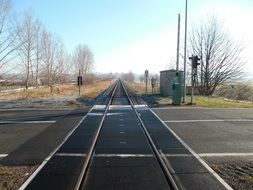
(60, 96)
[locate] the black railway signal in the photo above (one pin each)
(79, 80)
(195, 61)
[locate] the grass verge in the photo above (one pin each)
(216, 102)
(62, 96)
(199, 101)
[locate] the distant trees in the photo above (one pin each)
(83, 59)
(39, 57)
(238, 91)
(38, 51)
(128, 76)
(42, 54)
(63, 66)
(27, 33)
(49, 46)
(142, 79)
(221, 59)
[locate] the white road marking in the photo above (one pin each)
(114, 114)
(71, 154)
(119, 106)
(34, 109)
(232, 154)
(224, 154)
(147, 155)
(178, 155)
(26, 122)
(177, 108)
(99, 107)
(94, 114)
(124, 155)
(195, 155)
(200, 108)
(141, 107)
(208, 120)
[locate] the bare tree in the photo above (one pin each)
(27, 38)
(49, 46)
(142, 79)
(7, 34)
(83, 59)
(62, 60)
(221, 59)
(237, 91)
(128, 76)
(38, 51)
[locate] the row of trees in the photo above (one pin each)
(27, 47)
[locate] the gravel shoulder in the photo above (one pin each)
(14, 177)
(239, 175)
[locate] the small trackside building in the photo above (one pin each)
(166, 81)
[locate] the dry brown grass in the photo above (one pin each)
(88, 91)
(93, 90)
(139, 88)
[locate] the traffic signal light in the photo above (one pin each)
(195, 61)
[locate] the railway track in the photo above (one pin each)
(120, 96)
(115, 146)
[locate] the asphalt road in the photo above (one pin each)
(32, 114)
(17, 126)
(217, 135)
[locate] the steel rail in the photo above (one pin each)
(160, 156)
(81, 177)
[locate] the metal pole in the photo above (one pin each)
(192, 83)
(178, 41)
(185, 44)
(79, 85)
(146, 84)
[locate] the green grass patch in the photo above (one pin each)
(214, 102)
(199, 101)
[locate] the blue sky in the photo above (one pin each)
(102, 24)
(132, 34)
